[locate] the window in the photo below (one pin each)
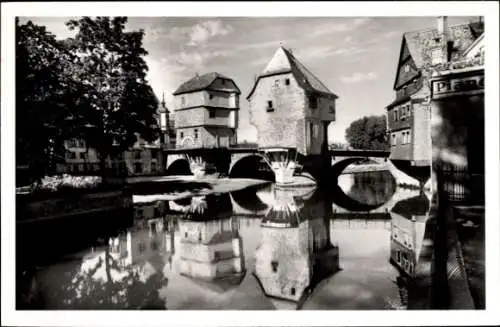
(71, 155)
(211, 113)
(142, 247)
(137, 155)
(274, 266)
(395, 114)
(287, 81)
(210, 96)
(313, 102)
(436, 56)
(182, 135)
(393, 139)
(406, 68)
(154, 246)
(138, 167)
(277, 83)
(195, 133)
(292, 291)
(223, 81)
(408, 137)
(153, 166)
(183, 100)
(269, 106)
(331, 109)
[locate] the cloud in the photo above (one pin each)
(200, 33)
(358, 77)
(346, 26)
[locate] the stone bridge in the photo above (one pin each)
(281, 165)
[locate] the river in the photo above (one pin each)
(356, 246)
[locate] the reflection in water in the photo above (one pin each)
(128, 271)
(202, 246)
(408, 218)
(295, 252)
(211, 249)
(370, 188)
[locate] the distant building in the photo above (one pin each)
(409, 115)
(141, 159)
(206, 112)
(290, 107)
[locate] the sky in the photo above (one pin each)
(355, 57)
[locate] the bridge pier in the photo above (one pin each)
(201, 161)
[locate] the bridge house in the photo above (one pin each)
(291, 110)
(206, 111)
(409, 115)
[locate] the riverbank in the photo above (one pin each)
(169, 188)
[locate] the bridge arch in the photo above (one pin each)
(178, 166)
(250, 165)
(339, 164)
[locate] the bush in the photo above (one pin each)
(58, 183)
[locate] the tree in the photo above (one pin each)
(121, 104)
(45, 92)
(368, 133)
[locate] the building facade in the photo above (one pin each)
(290, 107)
(458, 123)
(409, 115)
(206, 112)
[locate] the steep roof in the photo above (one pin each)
(204, 82)
(284, 61)
(421, 42)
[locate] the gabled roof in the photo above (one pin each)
(421, 42)
(283, 62)
(205, 82)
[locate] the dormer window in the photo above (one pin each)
(313, 102)
(406, 68)
(223, 82)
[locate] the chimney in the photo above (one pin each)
(442, 28)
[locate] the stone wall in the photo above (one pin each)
(285, 124)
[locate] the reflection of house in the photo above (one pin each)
(408, 223)
(295, 252)
(210, 246)
(211, 250)
(409, 115)
(206, 111)
(151, 243)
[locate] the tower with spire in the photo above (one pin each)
(166, 125)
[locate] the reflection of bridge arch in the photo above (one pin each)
(399, 195)
(248, 203)
(250, 165)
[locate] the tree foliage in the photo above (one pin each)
(368, 133)
(91, 86)
(45, 92)
(111, 67)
